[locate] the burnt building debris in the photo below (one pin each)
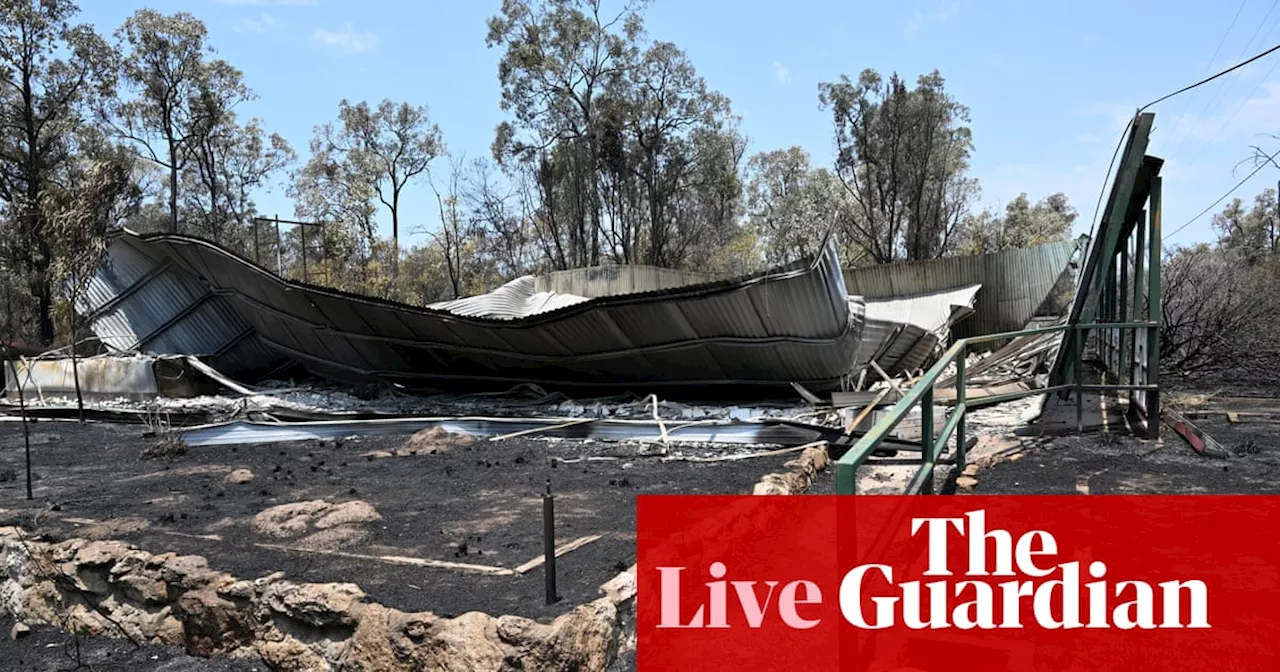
(609, 327)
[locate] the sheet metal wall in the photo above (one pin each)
(139, 302)
(791, 324)
(613, 280)
(1014, 283)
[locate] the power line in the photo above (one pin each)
(1235, 114)
(1210, 78)
(1178, 119)
(1223, 86)
(1262, 163)
(1159, 100)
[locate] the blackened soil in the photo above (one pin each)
(1109, 464)
(479, 504)
(48, 648)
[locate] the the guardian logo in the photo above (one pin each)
(1039, 592)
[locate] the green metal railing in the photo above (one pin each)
(933, 447)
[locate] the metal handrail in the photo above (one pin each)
(921, 393)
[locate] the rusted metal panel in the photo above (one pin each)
(790, 324)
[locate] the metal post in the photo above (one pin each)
(324, 251)
(257, 247)
(960, 387)
(1139, 308)
(1123, 298)
(928, 451)
(1079, 379)
(302, 231)
(549, 543)
(279, 247)
(1153, 314)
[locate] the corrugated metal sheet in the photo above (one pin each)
(597, 281)
(103, 377)
(1014, 283)
(931, 312)
(517, 298)
(903, 333)
(137, 302)
(790, 324)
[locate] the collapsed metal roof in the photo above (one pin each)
(795, 323)
(902, 333)
(138, 301)
(1014, 283)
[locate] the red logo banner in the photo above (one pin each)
(880, 583)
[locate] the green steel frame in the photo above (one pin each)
(1125, 253)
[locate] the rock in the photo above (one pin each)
(388, 639)
(318, 604)
(291, 655)
(967, 482)
(238, 477)
(101, 553)
(288, 520)
(435, 440)
(972, 470)
(211, 625)
(621, 587)
(467, 642)
(299, 518)
(356, 511)
(19, 631)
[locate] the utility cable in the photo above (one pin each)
(1262, 163)
(1157, 101)
(1222, 86)
(1178, 119)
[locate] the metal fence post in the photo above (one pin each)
(928, 451)
(302, 231)
(549, 543)
(960, 408)
(1153, 314)
(279, 248)
(1079, 378)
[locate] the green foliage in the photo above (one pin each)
(902, 155)
(622, 151)
(1021, 225)
(791, 206)
(1253, 234)
(175, 109)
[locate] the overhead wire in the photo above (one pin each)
(1177, 121)
(1222, 86)
(1243, 103)
(1262, 163)
(1106, 179)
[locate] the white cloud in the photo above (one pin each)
(258, 25)
(941, 11)
(347, 41)
(782, 73)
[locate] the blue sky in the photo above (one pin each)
(1050, 85)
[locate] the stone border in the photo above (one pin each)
(110, 589)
